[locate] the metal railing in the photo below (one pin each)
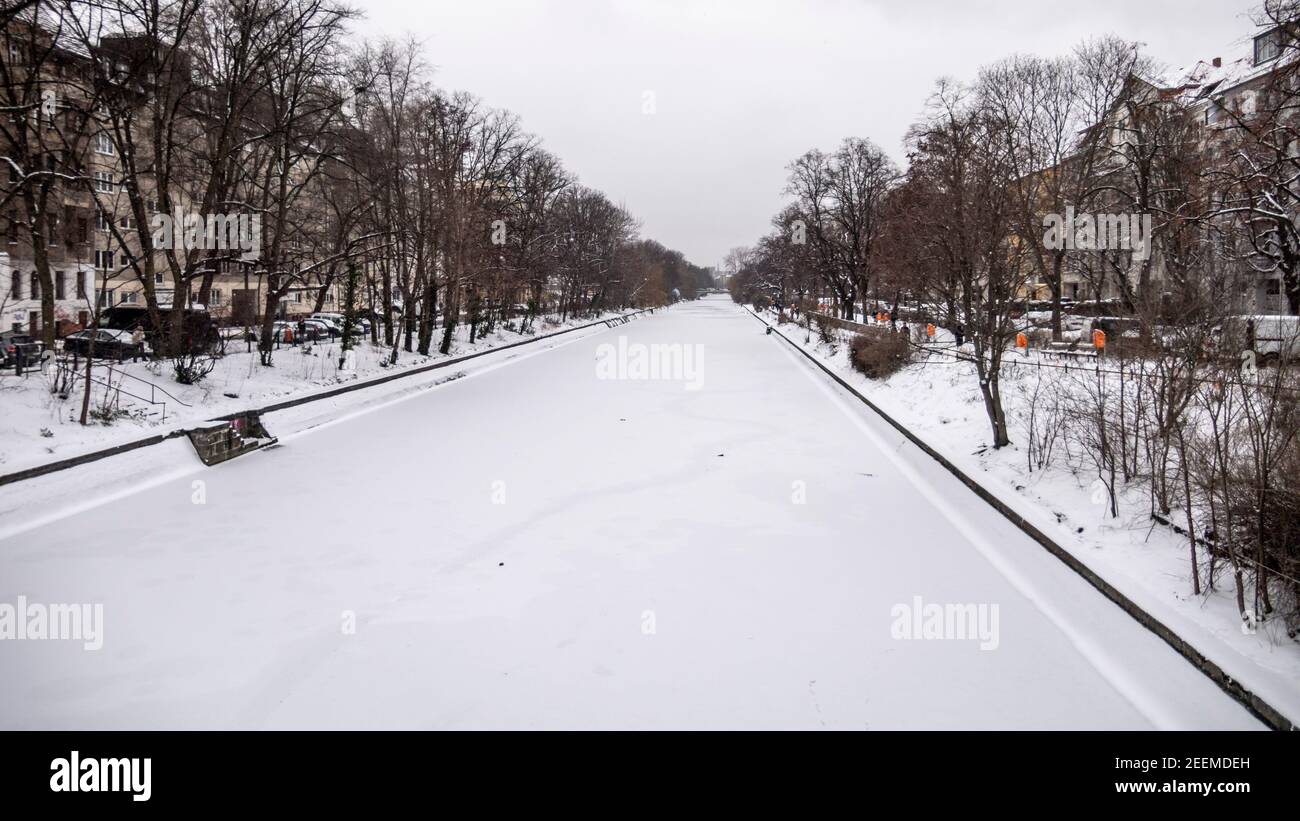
(71, 365)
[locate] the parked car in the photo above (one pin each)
(1270, 337)
(16, 346)
(198, 332)
(301, 331)
(1277, 337)
(109, 344)
(360, 324)
(327, 328)
(286, 332)
(1116, 326)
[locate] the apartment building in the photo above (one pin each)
(45, 146)
(215, 250)
(63, 179)
(1217, 92)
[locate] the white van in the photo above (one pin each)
(1275, 336)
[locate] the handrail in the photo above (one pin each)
(95, 380)
(153, 387)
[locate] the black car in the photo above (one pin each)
(16, 346)
(199, 333)
(109, 344)
(1115, 326)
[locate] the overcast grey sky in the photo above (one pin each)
(741, 87)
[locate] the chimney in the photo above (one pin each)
(1218, 62)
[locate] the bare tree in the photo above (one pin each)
(842, 194)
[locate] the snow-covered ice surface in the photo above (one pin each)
(530, 546)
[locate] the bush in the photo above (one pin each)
(761, 303)
(825, 329)
(192, 368)
(782, 318)
(1039, 338)
(879, 353)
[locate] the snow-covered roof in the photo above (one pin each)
(61, 26)
(1204, 80)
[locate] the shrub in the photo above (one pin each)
(782, 318)
(825, 329)
(879, 353)
(193, 367)
(1039, 338)
(761, 303)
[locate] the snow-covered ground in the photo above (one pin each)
(939, 400)
(37, 426)
(545, 542)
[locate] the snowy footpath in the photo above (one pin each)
(555, 539)
(939, 401)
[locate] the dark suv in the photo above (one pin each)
(17, 346)
(199, 333)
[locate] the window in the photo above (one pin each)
(60, 285)
(15, 285)
(127, 298)
(104, 181)
(104, 260)
(1248, 102)
(83, 229)
(81, 283)
(49, 107)
(214, 296)
(1268, 47)
(126, 222)
(15, 54)
(101, 221)
(158, 278)
(1273, 287)
(36, 286)
(103, 144)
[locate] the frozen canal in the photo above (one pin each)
(552, 543)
